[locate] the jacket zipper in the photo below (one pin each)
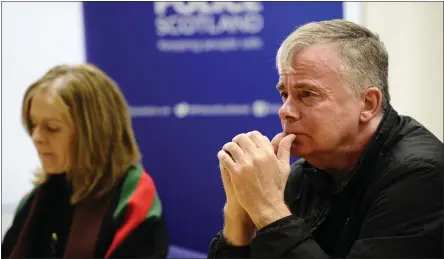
(54, 239)
(320, 218)
(344, 229)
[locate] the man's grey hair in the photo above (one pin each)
(364, 59)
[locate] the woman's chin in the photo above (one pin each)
(53, 171)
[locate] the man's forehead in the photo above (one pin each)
(300, 72)
(314, 59)
(293, 80)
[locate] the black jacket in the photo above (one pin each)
(54, 233)
(391, 206)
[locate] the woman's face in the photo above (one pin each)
(51, 134)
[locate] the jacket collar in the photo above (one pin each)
(382, 139)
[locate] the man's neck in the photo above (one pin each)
(343, 160)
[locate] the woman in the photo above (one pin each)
(92, 197)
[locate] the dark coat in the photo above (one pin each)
(391, 206)
(125, 223)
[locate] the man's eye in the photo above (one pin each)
(306, 94)
(284, 95)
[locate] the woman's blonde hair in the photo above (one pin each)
(103, 145)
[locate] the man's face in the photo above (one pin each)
(317, 107)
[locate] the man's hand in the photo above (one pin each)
(258, 174)
(238, 226)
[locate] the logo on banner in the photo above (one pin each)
(200, 27)
(258, 109)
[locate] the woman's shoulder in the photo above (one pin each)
(137, 183)
(25, 200)
(138, 194)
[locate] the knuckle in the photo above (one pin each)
(255, 132)
(261, 158)
(227, 146)
(236, 138)
(237, 169)
(248, 164)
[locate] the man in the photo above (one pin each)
(369, 181)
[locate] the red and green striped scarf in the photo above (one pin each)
(138, 202)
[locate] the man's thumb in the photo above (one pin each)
(283, 153)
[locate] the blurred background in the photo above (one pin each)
(195, 75)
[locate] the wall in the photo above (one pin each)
(37, 36)
(413, 35)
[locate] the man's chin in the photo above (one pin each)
(298, 150)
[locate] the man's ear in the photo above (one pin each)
(371, 102)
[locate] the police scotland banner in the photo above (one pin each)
(195, 74)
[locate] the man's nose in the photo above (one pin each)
(288, 111)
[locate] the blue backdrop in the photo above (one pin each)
(195, 74)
